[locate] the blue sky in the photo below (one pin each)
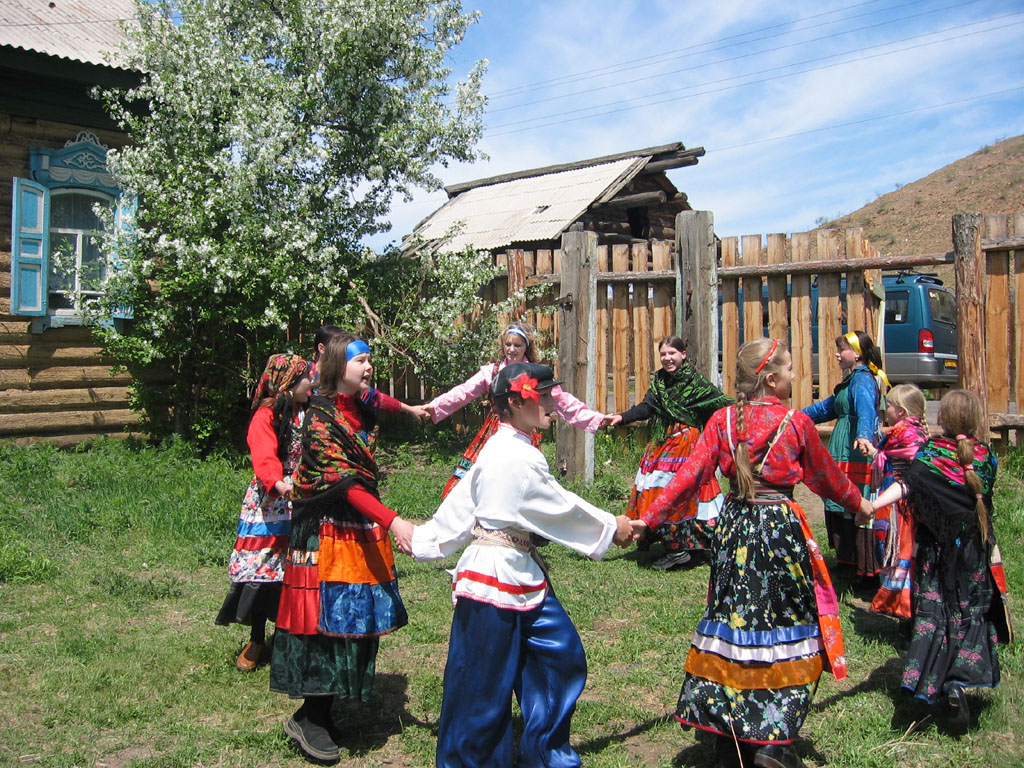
(806, 109)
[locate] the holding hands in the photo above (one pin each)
(866, 512)
(402, 531)
(865, 446)
(419, 412)
(611, 420)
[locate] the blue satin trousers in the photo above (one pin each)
(495, 653)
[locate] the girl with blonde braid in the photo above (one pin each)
(959, 587)
(771, 625)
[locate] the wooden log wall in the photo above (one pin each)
(54, 385)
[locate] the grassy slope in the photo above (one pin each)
(111, 570)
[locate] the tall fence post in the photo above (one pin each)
(574, 448)
(697, 290)
(969, 270)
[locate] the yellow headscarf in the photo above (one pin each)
(854, 341)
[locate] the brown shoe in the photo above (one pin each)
(249, 658)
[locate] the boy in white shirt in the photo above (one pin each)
(510, 634)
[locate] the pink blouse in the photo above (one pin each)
(569, 408)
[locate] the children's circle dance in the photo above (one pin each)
(314, 554)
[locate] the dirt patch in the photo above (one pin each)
(811, 504)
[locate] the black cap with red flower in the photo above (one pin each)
(527, 380)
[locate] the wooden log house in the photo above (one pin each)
(54, 383)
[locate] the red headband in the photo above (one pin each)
(769, 356)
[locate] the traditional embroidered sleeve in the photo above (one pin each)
(461, 395)
(575, 412)
(823, 410)
(262, 441)
(864, 396)
(698, 469)
(370, 506)
(820, 472)
(642, 411)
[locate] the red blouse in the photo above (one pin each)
(797, 456)
(365, 502)
(262, 441)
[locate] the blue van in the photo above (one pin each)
(920, 328)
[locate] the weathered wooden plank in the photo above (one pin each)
(753, 310)
(601, 337)
(661, 300)
(800, 332)
(997, 319)
(574, 449)
(829, 320)
(695, 244)
(76, 438)
(641, 325)
(819, 266)
(17, 330)
(970, 305)
(629, 276)
(730, 315)
(620, 330)
(855, 317)
(778, 304)
(17, 355)
(545, 321)
(1018, 315)
(24, 400)
(44, 422)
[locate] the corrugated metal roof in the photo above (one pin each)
(80, 30)
(523, 210)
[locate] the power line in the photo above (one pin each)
(589, 73)
(738, 85)
(748, 55)
(871, 119)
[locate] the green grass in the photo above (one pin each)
(112, 567)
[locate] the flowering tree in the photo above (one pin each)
(269, 139)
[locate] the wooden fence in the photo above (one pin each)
(609, 305)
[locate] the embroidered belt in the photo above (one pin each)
(771, 494)
(503, 537)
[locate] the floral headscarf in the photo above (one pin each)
(281, 374)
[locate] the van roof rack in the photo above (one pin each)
(928, 277)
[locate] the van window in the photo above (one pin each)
(896, 306)
(943, 306)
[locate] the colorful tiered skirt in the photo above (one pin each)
(256, 565)
(692, 523)
(771, 627)
(340, 595)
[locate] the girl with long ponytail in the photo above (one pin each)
(769, 584)
(958, 583)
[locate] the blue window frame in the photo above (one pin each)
(57, 268)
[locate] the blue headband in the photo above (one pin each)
(356, 348)
(518, 332)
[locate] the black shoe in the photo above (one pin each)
(312, 739)
(777, 756)
(959, 712)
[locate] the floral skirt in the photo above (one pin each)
(755, 660)
(692, 523)
(954, 636)
(263, 528)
